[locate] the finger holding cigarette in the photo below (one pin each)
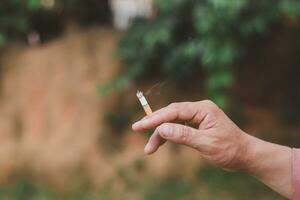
(214, 135)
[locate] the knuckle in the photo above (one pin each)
(173, 105)
(210, 106)
(186, 103)
(214, 109)
(184, 134)
(172, 111)
(208, 102)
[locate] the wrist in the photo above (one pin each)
(246, 153)
(268, 162)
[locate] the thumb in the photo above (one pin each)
(179, 134)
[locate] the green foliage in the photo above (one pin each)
(234, 185)
(208, 183)
(26, 189)
(188, 35)
(174, 188)
(17, 17)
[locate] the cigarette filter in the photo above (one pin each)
(144, 102)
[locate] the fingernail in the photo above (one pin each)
(145, 121)
(136, 124)
(148, 148)
(166, 130)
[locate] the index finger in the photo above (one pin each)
(186, 111)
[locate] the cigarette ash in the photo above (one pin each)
(139, 94)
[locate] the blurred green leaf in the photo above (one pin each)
(291, 7)
(220, 100)
(220, 80)
(156, 37)
(173, 188)
(22, 25)
(2, 39)
(34, 4)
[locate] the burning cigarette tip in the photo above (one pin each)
(139, 94)
(144, 102)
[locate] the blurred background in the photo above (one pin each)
(69, 71)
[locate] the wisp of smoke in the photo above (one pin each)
(155, 89)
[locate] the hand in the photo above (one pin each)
(217, 138)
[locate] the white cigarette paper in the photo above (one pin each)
(144, 102)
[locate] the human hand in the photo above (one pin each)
(220, 141)
(216, 137)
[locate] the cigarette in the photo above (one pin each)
(144, 102)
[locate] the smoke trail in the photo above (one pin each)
(156, 89)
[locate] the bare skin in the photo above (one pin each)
(220, 141)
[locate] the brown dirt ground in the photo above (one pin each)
(52, 116)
